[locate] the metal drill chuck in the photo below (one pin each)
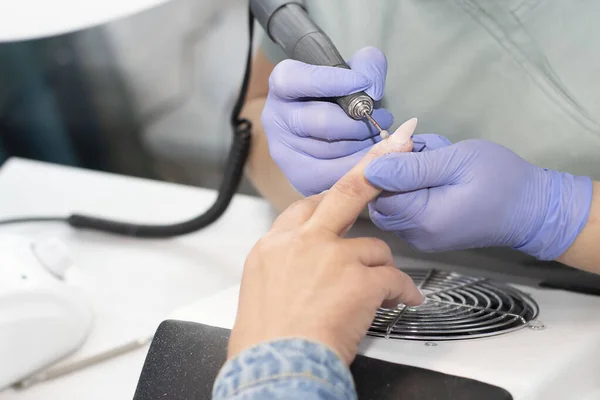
(360, 106)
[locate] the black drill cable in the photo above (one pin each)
(238, 155)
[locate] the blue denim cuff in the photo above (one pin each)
(287, 368)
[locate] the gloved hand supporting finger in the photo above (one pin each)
(405, 172)
(429, 141)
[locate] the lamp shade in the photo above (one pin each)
(31, 19)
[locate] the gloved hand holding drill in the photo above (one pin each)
(314, 142)
(448, 197)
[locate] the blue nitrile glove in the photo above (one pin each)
(314, 142)
(478, 194)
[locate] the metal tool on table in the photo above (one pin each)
(76, 366)
(288, 24)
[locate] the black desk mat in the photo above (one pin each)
(185, 358)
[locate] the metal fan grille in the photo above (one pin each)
(456, 307)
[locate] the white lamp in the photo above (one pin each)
(31, 19)
(33, 299)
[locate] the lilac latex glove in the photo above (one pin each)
(314, 142)
(478, 194)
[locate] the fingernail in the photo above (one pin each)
(404, 133)
(400, 141)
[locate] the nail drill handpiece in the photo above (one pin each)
(287, 23)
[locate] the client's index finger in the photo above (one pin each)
(342, 205)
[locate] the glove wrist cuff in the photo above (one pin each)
(569, 203)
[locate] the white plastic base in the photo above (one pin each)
(42, 317)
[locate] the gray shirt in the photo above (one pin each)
(523, 73)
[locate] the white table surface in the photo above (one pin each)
(133, 284)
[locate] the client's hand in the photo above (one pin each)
(303, 279)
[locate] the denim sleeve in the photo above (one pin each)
(285, 369)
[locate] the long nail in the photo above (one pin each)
(399, 142)
(404, 133)
(402, 137)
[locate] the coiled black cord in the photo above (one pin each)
(238, 155)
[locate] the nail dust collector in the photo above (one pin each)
(524, 343)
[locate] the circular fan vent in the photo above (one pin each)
(456, 307)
